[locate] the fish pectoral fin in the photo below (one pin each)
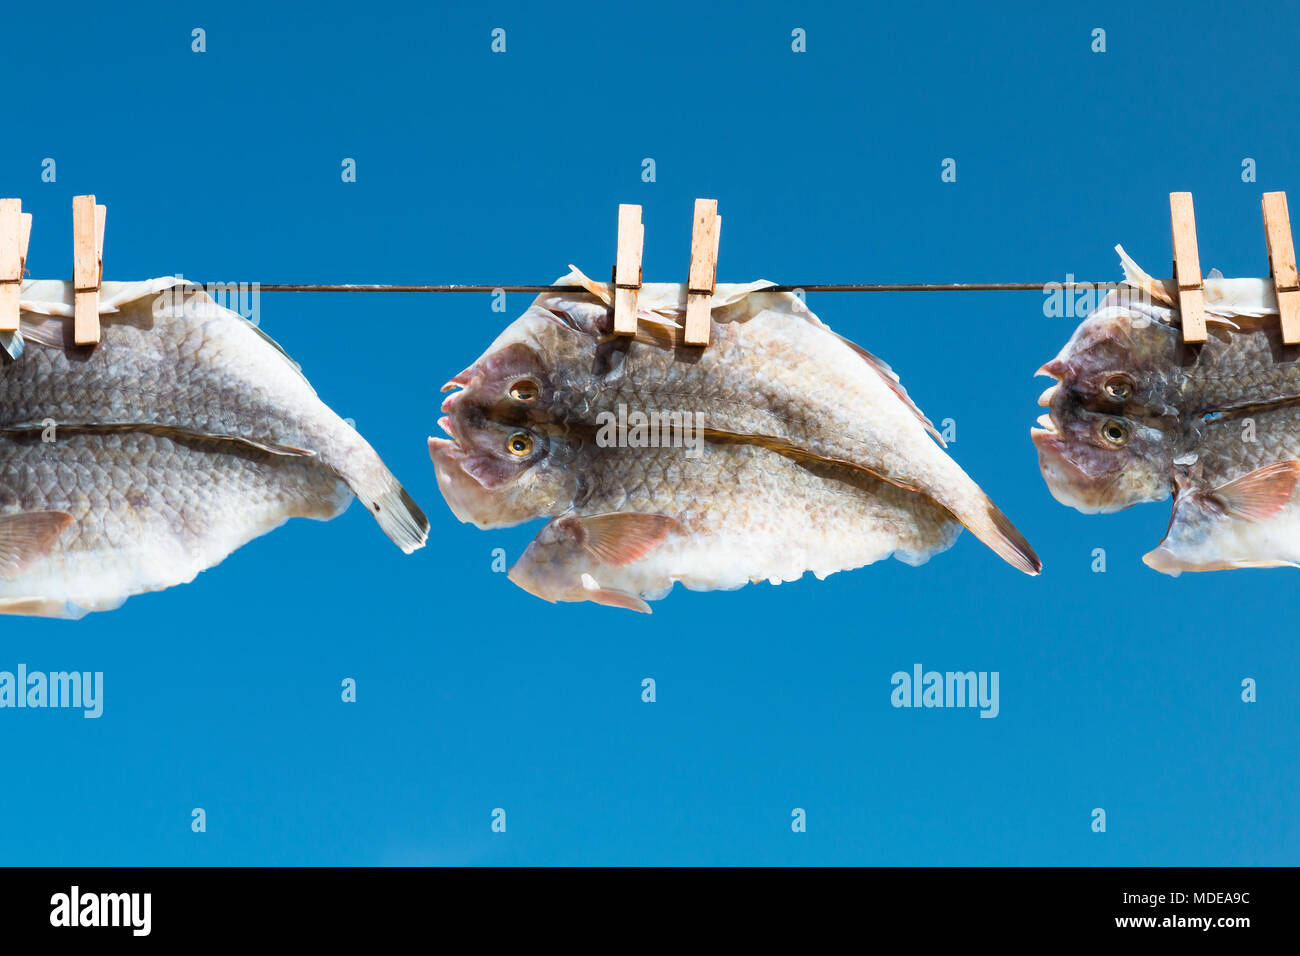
(27, 536)
(612, 598)
(1222, 529)
(1261, 494)
(620, 537)
(41, 607)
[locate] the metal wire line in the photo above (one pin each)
(811, 287)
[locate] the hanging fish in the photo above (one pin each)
(132, 466)
(629, 522)
(774, 375)
(756, 466)
(1138, 415)
(1129, 353)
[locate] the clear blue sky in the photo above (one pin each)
(1118, 690)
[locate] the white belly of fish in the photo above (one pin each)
(147, 512)
(770, 519)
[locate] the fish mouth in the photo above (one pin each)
(458, 487)
(1054, 369)
(446, 425)
(463, 494)
(1066, 480)
(464, 380)
(1047, 438)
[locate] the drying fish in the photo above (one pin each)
(631, 522)
(131, 466)
(1252, 521)
(1129, 354)
(1138, 415)
(1233, 479)
(1098, 462)
(95, 516)
(773, 376)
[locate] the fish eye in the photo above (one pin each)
(1115, 432)
(1119, 388)
(524, 391)
(519, 445)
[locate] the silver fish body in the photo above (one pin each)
(773, 375)
(181, 393)
(1137, 414)
(1129, 357)
(109, 514)
(629, 523)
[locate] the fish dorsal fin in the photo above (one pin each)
(45, 323)
(11, 342)
(1134, 276)
(27, 536)
(620, 537)
(875, 363)
(890, 378)
(1261, 494)
(207, 306)
(600, 290)
(50, 331)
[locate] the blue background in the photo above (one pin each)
(1118, 690)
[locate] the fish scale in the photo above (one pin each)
(1240, 363)
(1137, 413)
(186, 378)
(134, 526)
(772, 375)
(1214, 525)
(741, 513)
(754, 494)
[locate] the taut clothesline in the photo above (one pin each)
(807, 287)
(1188, 292)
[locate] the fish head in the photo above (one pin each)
(551, 347)
(1102, 462)
(1118, 359)
(510, 382)
(499, 473)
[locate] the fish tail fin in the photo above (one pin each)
(395, 510)
(990, 525)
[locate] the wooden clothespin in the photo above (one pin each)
(627, 268)
(705, 235)
(15, 230)
(87, 267)
(1281, 263)
(1187, 267)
